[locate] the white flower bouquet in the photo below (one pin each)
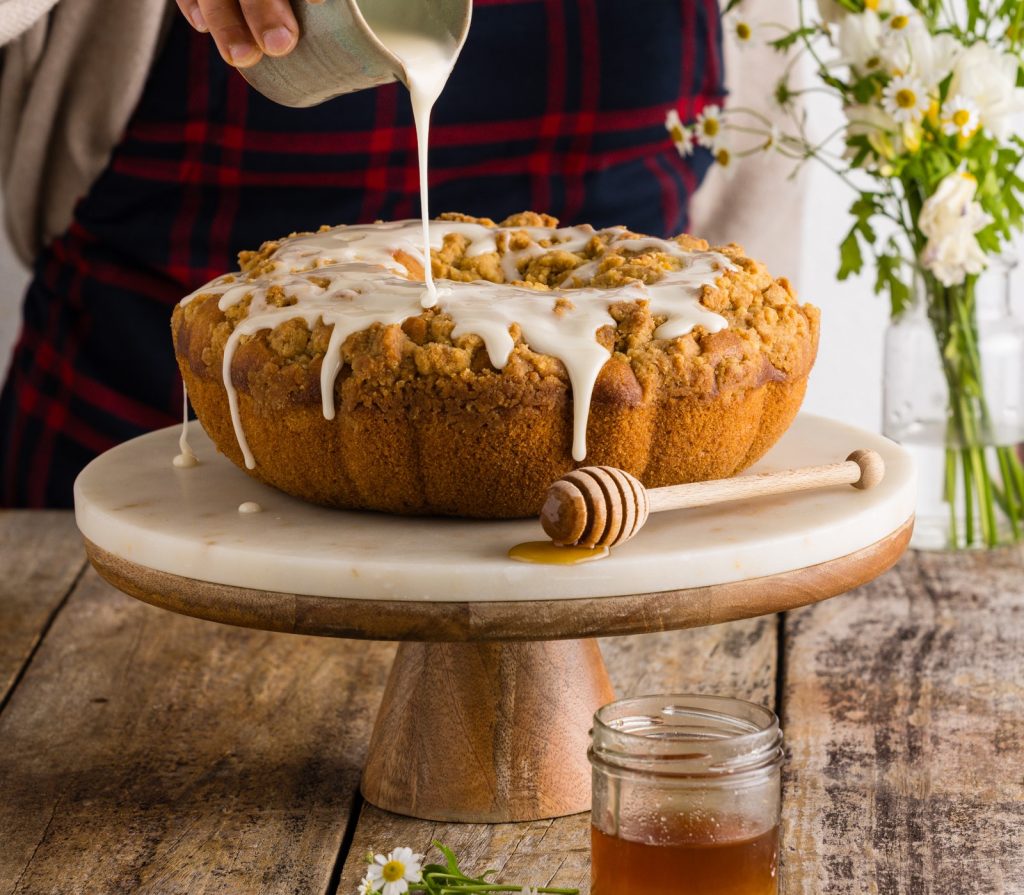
(929, 89)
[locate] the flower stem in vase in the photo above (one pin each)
(987, 494)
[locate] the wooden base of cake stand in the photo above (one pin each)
(486, 714)
(509, 730)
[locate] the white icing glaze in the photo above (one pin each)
(186, 457)
(361, 284)
(427, 60)
(248, 507)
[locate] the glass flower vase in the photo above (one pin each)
(954, 397)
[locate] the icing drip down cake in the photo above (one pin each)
(325, 369)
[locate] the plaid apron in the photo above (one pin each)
(554, 105)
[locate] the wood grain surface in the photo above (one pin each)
(503, 621)
(737, 659)
(903, 709)
(40, 559)
(146, 752)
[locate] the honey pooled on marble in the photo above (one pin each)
(686, 797)
(548, 554)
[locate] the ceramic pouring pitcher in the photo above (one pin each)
(338, 52)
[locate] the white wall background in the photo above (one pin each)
(847, 380)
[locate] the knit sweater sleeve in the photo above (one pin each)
(17, 16)
(67, 90)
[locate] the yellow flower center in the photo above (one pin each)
(898, 23)
(743, 31)
(393, 871)
(961, 117)
(710, 126)
(871, 4)
(723, 158)
(676, 134)
(906, 98)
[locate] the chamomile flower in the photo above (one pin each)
(902, 23)
(960, 116)
(743, 32)
(395, 871)
(681, 135)
(988, 76)
(905, 99)
(709, 127)
(366, 887)
(725, 160)
(860, 42)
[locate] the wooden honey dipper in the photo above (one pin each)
(601, 506)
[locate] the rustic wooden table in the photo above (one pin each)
(147, 752)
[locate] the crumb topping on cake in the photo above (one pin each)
(672, 314)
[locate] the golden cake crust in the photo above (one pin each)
(426, 424)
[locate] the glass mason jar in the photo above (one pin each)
(953, 395)
(686, 797)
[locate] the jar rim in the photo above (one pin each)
(687, 734)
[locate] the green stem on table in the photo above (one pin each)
(461, 883)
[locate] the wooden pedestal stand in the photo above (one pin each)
(486, 714)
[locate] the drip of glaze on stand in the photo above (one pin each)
(427, 60)
(351, 278)
(186, 457)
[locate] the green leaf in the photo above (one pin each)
(786, 42)
(890, 279)
(850, 258)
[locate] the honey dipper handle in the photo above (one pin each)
(862, 469)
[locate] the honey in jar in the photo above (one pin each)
(686, 797)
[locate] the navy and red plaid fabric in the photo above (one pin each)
(555, 105)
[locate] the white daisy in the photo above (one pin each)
(960, 115)
(743, 32)
(988, 76)
(709, 127)
(725, 160)
(681, 135)
(905, 99)
(395, 871)
(902, 23)
(366, 887)
(860, 42)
